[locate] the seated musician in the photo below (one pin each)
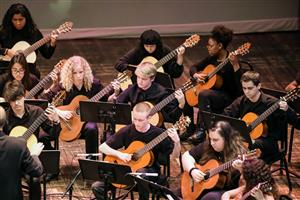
(140, 130)
(254, 100)
(216, 99)
(21, 114)
(18, 70)
(151, 45)
(16, 160)
(76, 79)
(256, 183)
(147, 90)
(224, 144)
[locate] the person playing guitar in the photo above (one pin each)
(77, 79)
(18, 25)
(255, 101)
(256, 182)
(147, 90)
(216, 98)
(139, 130)
(225, 144)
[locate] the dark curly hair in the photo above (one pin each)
(256, 171)
(222, 35)
(7, 28)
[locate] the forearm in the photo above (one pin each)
(104, 148)
(188, 161)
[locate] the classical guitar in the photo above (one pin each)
(28, 134)
(190, 42)
(192, 190)
(212, 79)
(254, 122)
(28, 50)
(156, 117)
(141, 152)
(71, 130)
(46, 80)
(263, 186)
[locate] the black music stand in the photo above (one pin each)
(50, 162)
(163, 79)
(105, 112)
(36, 102)
(107, 172)
(156, 189)
(237, 124)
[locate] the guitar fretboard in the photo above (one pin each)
(218, 68)
(102, 93)
(38, 87)
(221, 168)
(36, 124)
(36, 45)
(166, 58)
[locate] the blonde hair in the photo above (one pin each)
(146, 69)
(142, 107)
(66, 74)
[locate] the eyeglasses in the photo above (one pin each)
(16, 71)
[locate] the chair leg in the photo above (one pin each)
(291, 144)
(287, 173)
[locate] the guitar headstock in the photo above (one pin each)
(58, 98)
(191, 41)
(265, 186)
(59, 65)
(64, 28)
(124, 76)
(253, 154)
(242, 50)
(292, 95)
(183, 122)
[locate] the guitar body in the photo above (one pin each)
(67, 134)
(21, 46)
(214, 82)
(19, 131)
(193, 192)
(258, 130)
(150, 59)
(144, 161)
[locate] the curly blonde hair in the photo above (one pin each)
(66, 74)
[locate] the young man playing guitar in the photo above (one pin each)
(255, 101)
(216, 99)
(140, 130)
(24, 115)
(147, 90)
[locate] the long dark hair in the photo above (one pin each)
(7, 26)
(256, 171)
(233, 142)
(20, 59)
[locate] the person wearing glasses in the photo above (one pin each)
(18, 70)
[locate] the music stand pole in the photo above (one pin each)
(70, 186)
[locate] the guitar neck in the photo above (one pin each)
(162, 104)
(36, 45)
(151, 144)
(245, 196)
(166, 58)
(102, 93)
(264, 115)
(221, 168)
(218, 68)
(36, 124)
(38, 87)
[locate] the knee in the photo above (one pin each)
(97, 186)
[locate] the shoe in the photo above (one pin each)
(198, 137)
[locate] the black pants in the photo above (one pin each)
(90, 133)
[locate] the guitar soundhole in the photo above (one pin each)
(207, 175)
(134, 157)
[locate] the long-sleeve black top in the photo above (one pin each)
(135, 56)
(31, 114)
(9, 40)
(231, 80)
(155, 94)
(276, 122)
